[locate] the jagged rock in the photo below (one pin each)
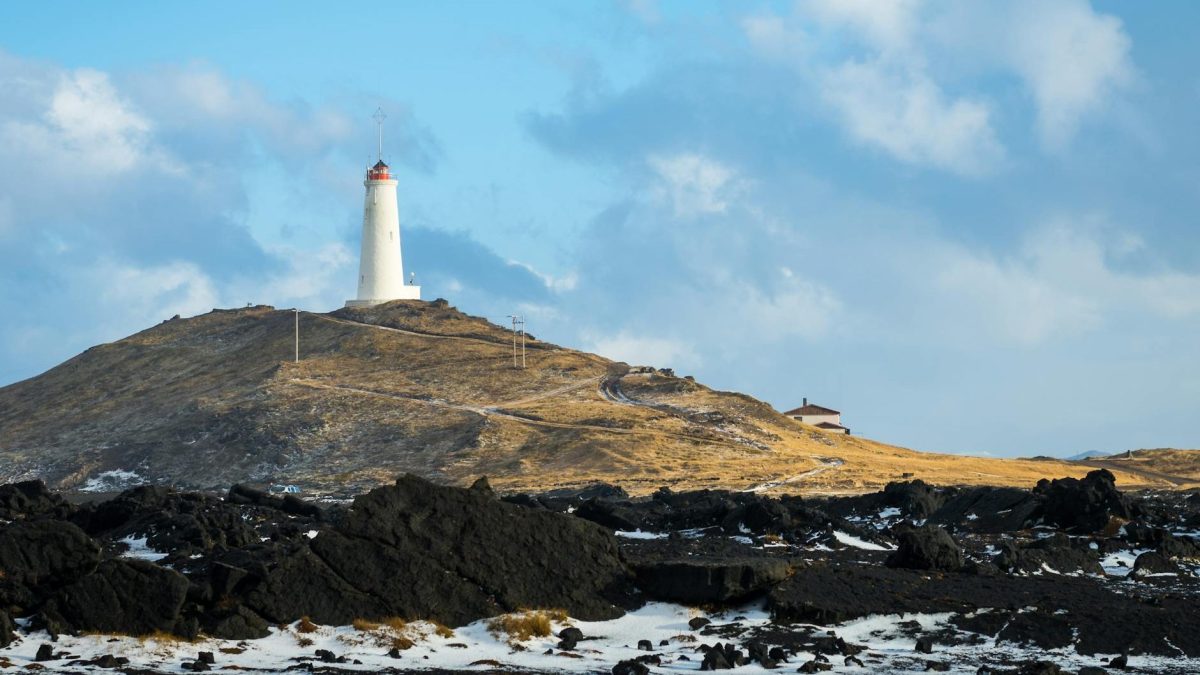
(924, 645)
(1044, 629)
(466, 556)
(696, 623)
(613, 515)
(31, 499)
(926, 548)
(630, 667)
(1082, 505)
(1152, 562)
(244, 494)
(987, 509)
(47, 553)
(171, 522)
(7, 629)
(45, 652)
(1057, 554)
(709, 581)
(1161, 540)
(916, 498)
(123, 596)
(240, 623)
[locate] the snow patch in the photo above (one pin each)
(851, 540)
(112, 481)
(139, 550)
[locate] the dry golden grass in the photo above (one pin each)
(395, 623)
(366, 403)
(442, 630)
(305, 625)
(364, 626)
(526, 624)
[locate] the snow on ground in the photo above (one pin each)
(139, 550)
(638, 534)
(889, 641)
(112, 481)
(851, 540)
(1120, 563)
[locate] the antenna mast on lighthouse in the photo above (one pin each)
(379, 117)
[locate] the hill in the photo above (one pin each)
(421, 387)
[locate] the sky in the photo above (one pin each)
(970, 226)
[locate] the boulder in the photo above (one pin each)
(123, 596)
(713, 581)
(987, 509)
(926, 548)
(46, 553)
(7, 629)
(31, 499)
(1151, 563)
(1082, 505)
(465, 555)
(1056, 555)
(171, 522)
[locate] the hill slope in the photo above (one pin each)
(420, 387)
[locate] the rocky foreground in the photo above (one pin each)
(1073, 576)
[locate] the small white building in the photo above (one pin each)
(825, 419)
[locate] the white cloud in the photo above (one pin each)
(886, 25)
(1072, 58)
(907, 114)
(99, 129)
(1063, 282)
(880, 81)
(694, 184)
(644, 350)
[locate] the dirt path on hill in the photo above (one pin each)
(827, 463)
(493, 412)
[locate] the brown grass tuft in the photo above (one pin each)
(304, 642)
(443, 630)
(364, 626)
(526, 624)
(305, 625)
(395, 623)
(402, 643)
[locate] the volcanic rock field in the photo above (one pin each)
(1072, 576)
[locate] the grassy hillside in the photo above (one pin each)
(420, 387)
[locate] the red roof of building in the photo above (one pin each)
(830, 425)
(811, 409)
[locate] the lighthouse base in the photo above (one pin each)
(409, 293)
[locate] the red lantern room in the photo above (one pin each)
(379, 172)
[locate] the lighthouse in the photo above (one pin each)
(381, 268)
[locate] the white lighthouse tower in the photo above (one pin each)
(381, 268)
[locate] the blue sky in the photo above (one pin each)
(970, 226)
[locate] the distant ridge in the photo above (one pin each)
(420, 387)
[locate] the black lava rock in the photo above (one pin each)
(630, 667)
(1082, 505)
(926, 548)
(123, 596)
(924, 645)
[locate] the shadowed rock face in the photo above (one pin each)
(927, 548)
(422, 550)
(1082, 505)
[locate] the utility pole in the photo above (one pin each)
(297, 311)
(515, 319)
(518, 325)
